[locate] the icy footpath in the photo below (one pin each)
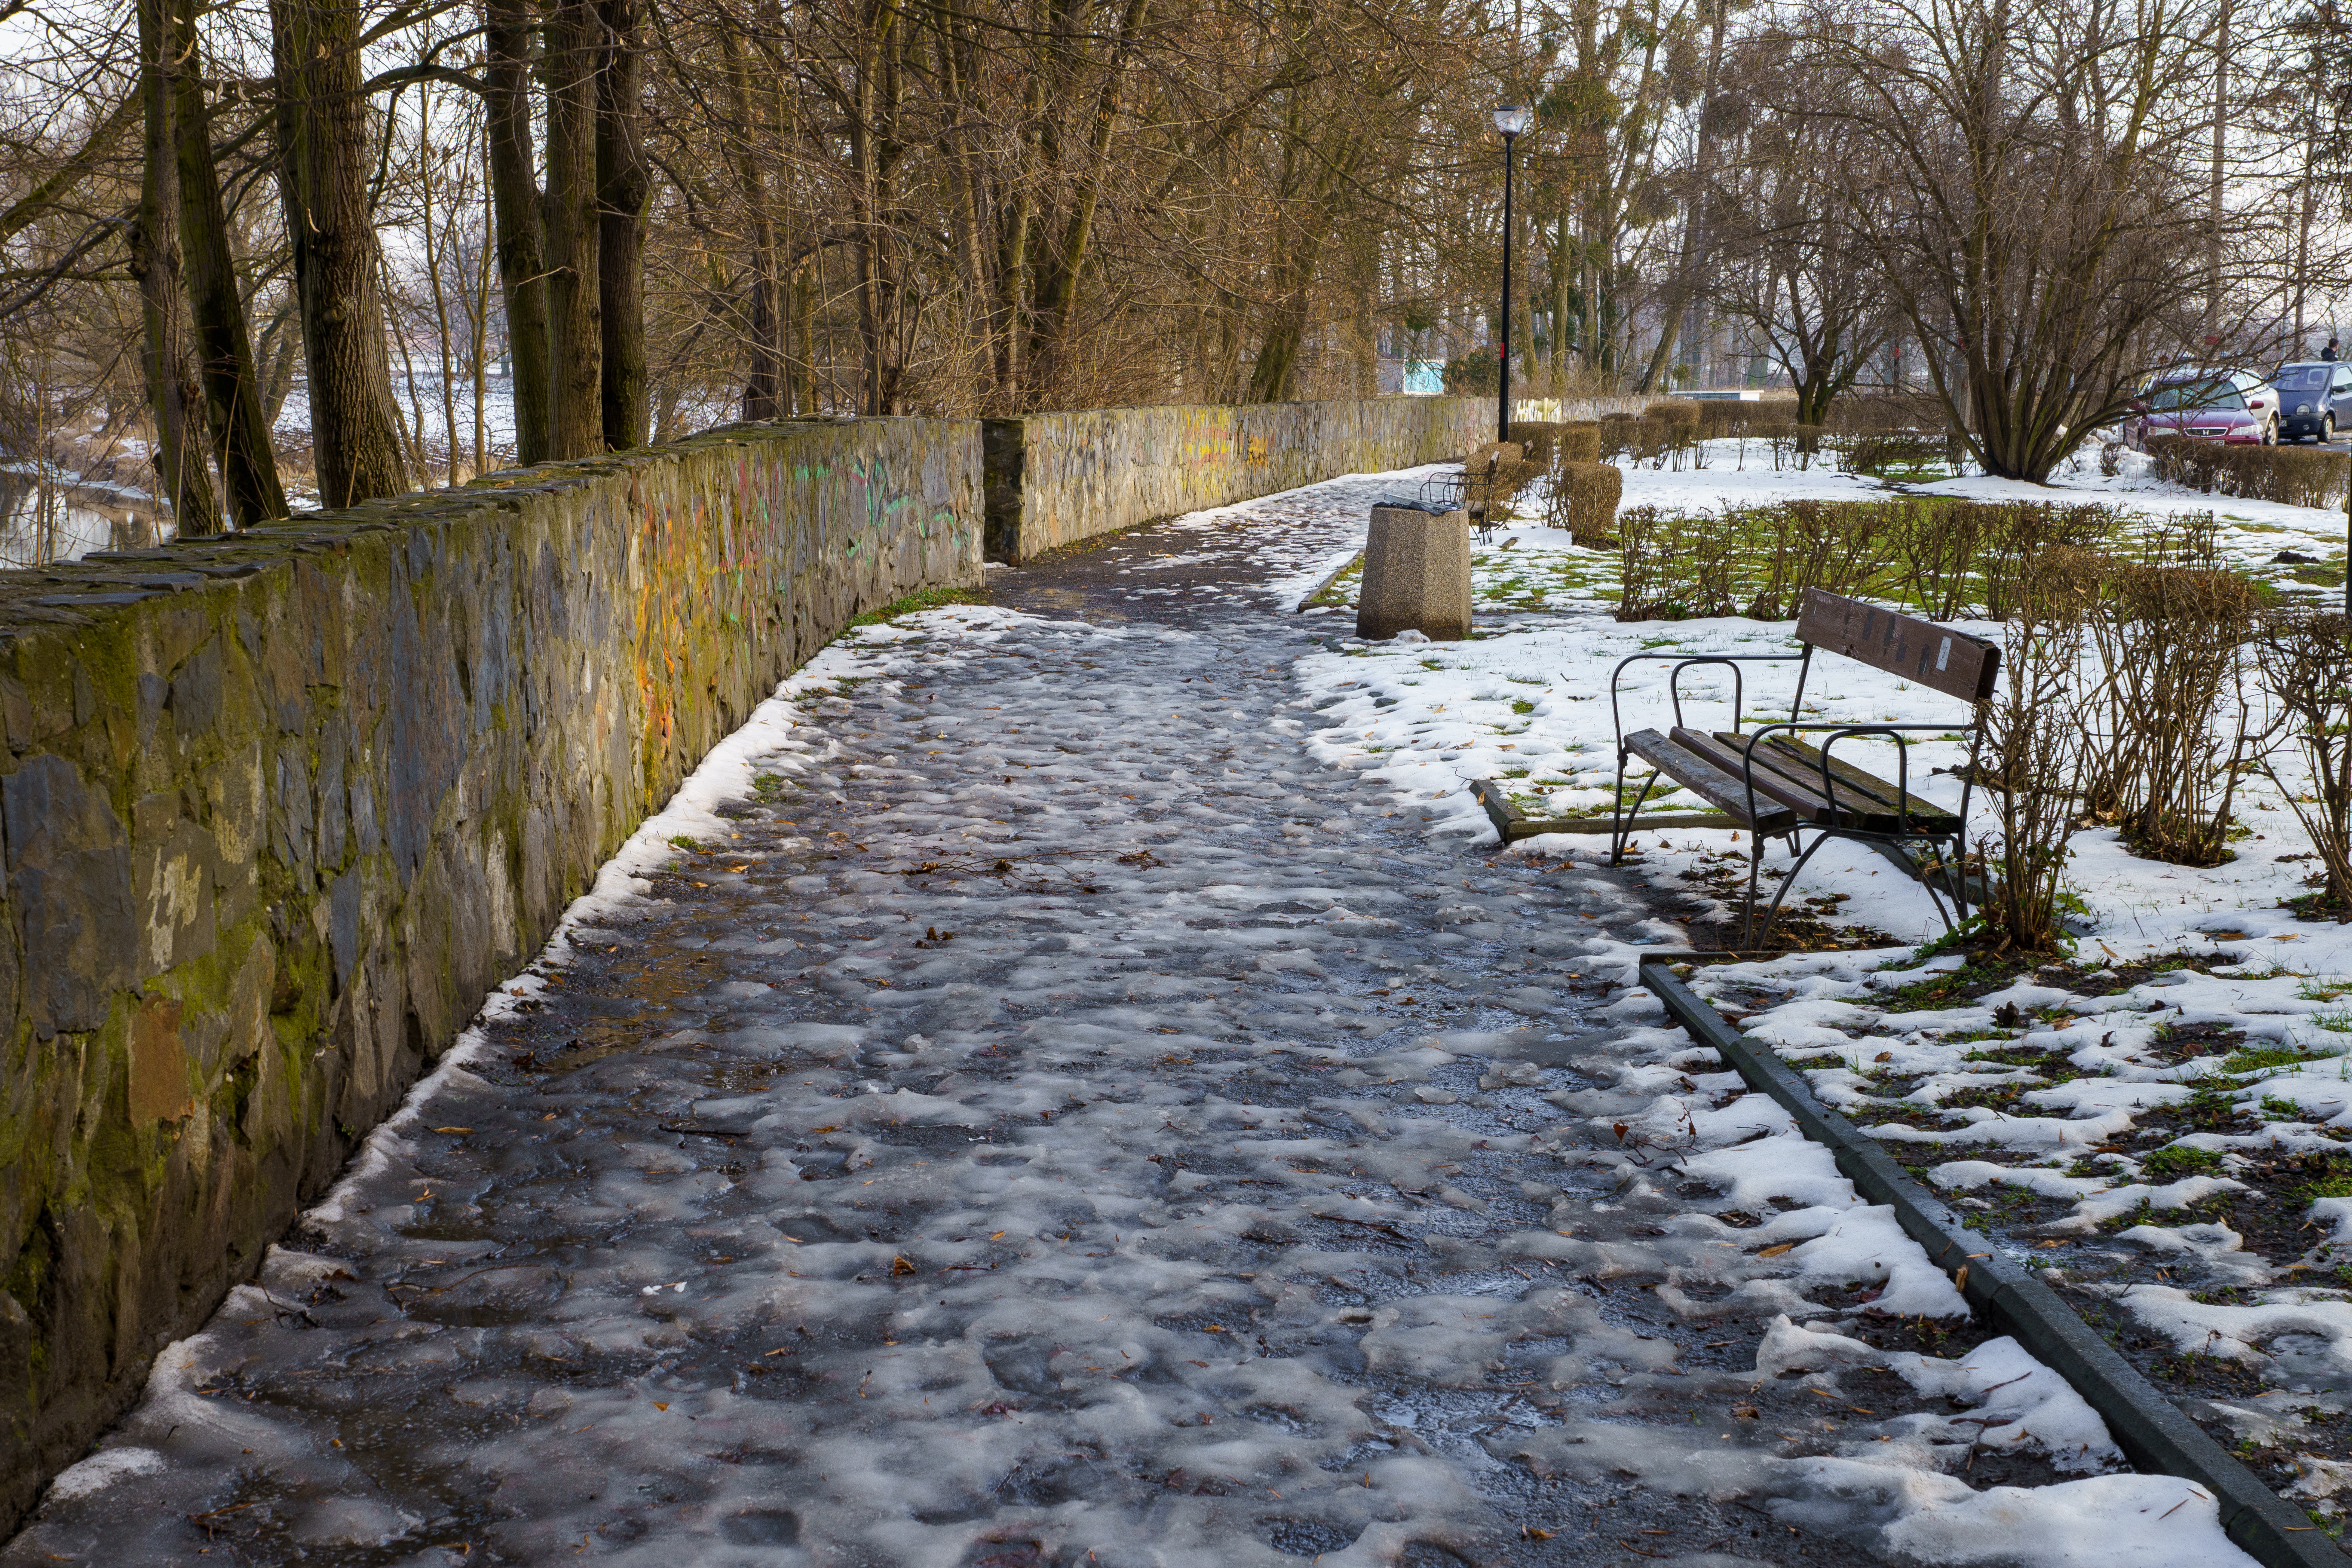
(1017, 1107)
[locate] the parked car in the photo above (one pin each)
(2234, 405)
(2309, 393)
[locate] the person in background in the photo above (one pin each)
(2330, 351)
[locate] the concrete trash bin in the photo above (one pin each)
(1416, 575)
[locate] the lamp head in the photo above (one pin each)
(1511, 120)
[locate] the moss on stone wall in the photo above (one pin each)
(279, 808)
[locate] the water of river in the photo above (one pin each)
(42, 523)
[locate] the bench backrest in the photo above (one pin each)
(1953, 663)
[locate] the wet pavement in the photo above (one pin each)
(1061, 1123)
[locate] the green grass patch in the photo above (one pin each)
(929, 599)
(2262, 1058)
(2173, 1164)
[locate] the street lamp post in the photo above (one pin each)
(1511, 121)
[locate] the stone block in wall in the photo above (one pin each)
(279, 808)
(1058, 478)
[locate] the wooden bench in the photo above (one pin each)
(1774, 783)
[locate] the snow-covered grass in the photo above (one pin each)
(2106, 1115)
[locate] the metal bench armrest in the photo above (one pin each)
(1832, 733)
(1681, 662)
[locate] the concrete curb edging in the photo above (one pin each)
(2153, 1433)
(1329, 577)
(1511, 824)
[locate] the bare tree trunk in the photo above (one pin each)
(1016, 221)
(1055, 315)
(436, 256)
(323, 167)
(1694, 238)
(623, 190)
(2213, 211)
(801, 368)
(277, 353)
(520, 225)
(575, 294)
(224, 343)
(477, 313)
(763, 392)
(874, 150)
(180, 477)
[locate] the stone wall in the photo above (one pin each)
(1055, 479)
(276, 812)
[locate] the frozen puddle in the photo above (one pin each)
(1039, 1115)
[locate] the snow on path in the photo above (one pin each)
(1016, 1107)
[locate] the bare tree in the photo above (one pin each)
(155, 262)
(233, 409)
(1790, 268)
(2029, 177)
(324, 141)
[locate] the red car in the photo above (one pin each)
(2234, 405)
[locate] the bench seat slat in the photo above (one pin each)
(1862, 801)
(1771, 781)
(1704, 779)
(1926, 815)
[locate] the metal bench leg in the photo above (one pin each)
(1927, 869)
(1621, 828)
(1786, 882)
(1748, 910)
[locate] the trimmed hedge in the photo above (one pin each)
(1857, 414)
(1946, 557)
(2292, 475)
(1539, 440)
(1725, 417)
(1548, 446)
(1678, 410)
(1593, 491)
(1874, 451)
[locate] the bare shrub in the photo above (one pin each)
(2014, 535)
(2306, 663)
(1912, 411)
(1492, 477)
(1776, 437)
(2172, 644)
(2031, 760)
(1663, 442)
(1677, 567)
(1954, 557)
(1836, 546)
(2192, 539)
(1732, 416)
(2287, 474)
(1935, 549)
(1579, 442)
